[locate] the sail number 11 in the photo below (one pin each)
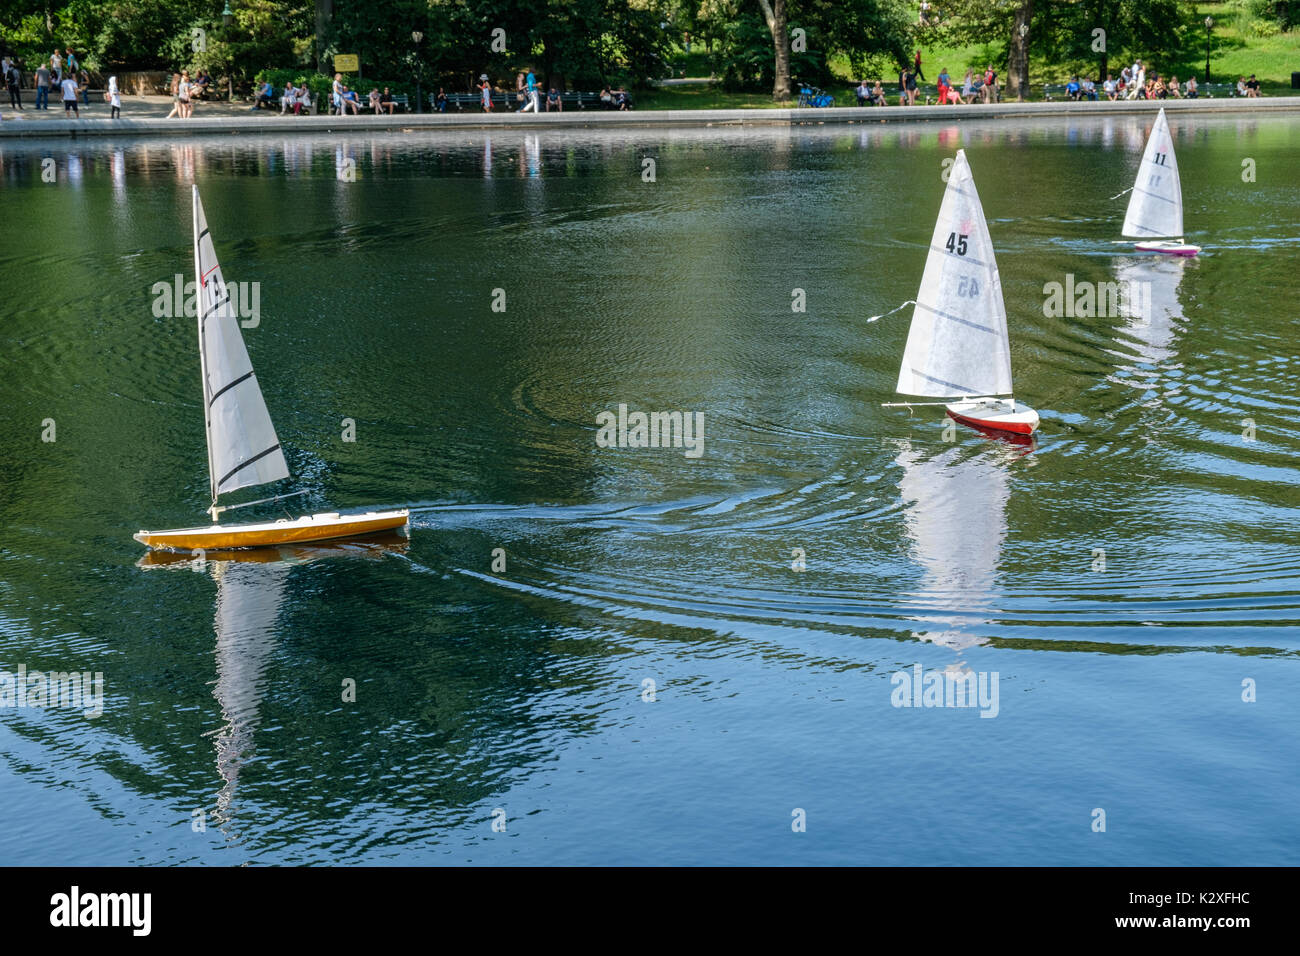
(956, 244)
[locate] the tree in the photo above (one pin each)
(1006, 23)
(1018, 61)
(774, 13)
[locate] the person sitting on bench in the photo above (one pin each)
(386, 102)
(264, 95)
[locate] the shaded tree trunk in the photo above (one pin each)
(324, 14)
(774, 14)
(1018, 62)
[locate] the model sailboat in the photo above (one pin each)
(243, 450)
(1155, 207)
(958, 346)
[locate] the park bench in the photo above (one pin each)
(307, 108)
(509, 101)
(399, 100)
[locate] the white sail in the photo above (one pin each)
(242, 447)
(1155, 207)
(958, 342)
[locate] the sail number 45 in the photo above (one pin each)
(956, 244)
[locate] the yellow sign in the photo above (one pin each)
(347, 63)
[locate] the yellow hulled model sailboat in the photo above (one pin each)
(243, 450)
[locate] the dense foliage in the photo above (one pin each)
(587, 43)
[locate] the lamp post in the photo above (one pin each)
(416, 37)
(1209, 22)
(228, 18)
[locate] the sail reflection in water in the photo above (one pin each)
(955, 513)
(249, 597)
(251, 585)
(1152, 314)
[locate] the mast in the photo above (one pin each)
(201, 311)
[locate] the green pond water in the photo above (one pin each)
(649, 678)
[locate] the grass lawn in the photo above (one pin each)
(705, 97)
(1236, 50)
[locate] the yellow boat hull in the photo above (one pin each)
(318, 527)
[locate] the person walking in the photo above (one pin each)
(533, 104)
(485, 92)
(56, 67)
(183, 95)
(13, 79)
(83, 78)
(114, 99)
(1138, 85)
(916, 67)
(42, 87)
(70, 91)
(176, 100)
(336, 94)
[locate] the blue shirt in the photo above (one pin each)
(531, 81)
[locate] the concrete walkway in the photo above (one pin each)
(144, 116)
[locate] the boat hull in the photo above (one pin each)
(1000, 415)
(317, 527)
(1167, 247)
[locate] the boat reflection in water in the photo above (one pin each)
(1152, 314)
(250, 592)
(955, 514)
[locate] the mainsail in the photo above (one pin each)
(242, 447)
(1155, 208)
(958, 342)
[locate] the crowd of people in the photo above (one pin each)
(61, 72)
(1133, 83)
(982, 87)
(64, 74)
(528, 96)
